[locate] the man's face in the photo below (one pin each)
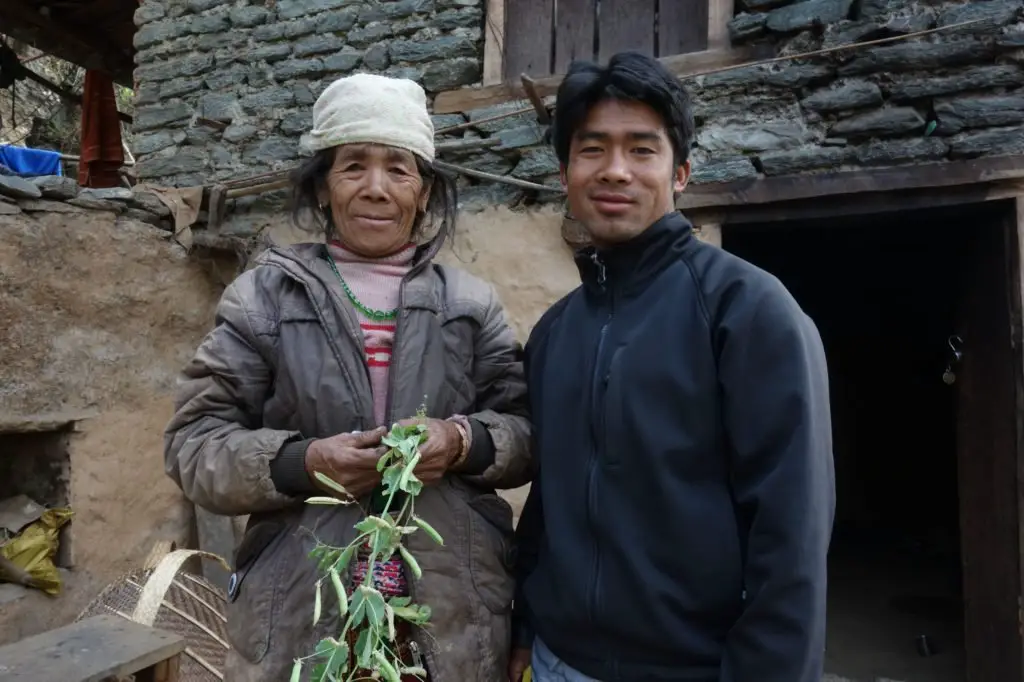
(621, 176)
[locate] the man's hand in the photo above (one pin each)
(348, 458)
(442, 447)
(517, 664)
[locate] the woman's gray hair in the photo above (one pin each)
(310, 179)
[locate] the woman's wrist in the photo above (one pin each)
(465, 432)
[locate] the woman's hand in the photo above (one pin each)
(442, 447)
(348, 458)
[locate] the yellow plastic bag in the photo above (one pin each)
(35, 547)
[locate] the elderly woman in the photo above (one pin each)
(319, 348)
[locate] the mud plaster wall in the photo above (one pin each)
(98, 314)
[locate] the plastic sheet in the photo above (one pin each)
(34, 549)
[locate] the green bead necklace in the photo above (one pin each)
(376, 315)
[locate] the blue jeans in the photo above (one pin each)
(549, 668)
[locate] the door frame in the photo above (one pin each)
(989, 659)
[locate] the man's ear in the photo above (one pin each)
(563, 174)
(681, 177)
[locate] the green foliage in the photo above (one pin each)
(366, 612)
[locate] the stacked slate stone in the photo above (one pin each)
(58, 194)
(226, 87)
(948, 95)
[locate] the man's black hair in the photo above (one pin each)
(629, 76)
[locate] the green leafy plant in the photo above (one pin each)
(366, 611)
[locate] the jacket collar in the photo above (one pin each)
(631, 265)
(306, 263)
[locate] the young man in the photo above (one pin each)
(678, 525)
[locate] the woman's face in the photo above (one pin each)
(375, 193)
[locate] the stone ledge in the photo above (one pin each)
(60, 194)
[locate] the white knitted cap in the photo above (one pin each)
(367, 108)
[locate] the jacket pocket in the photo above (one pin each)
(491, 551)
(251, 590)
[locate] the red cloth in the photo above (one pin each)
(101, 152)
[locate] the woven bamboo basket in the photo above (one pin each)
(161, 595)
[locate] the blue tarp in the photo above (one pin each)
(30, 162)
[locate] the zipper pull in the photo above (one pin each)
(414, 649)
(602, 274)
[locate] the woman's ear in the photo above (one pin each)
(425, 195)
(323, 195)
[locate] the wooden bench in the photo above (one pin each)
(98, 649)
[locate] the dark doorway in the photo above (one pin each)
(893, 295)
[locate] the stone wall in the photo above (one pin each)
(948, 95)
(225, 88)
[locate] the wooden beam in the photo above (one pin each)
(794, 187)
(866, 203)
(63, 41)
(719, 14)
(494, 42)
(681, 65)
(1016, 280)
(66, 94)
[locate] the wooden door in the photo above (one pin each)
(989, 386)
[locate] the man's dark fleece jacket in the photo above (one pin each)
(679, 521)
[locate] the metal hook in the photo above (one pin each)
(955, 344)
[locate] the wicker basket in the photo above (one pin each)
(159, 595)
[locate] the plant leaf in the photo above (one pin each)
(391, 478)
(365, 646)
(373, 604)
(338, 660)
(331, 483)
(296, 671)
(346, 557)
(400, 601)
(429, 530)
(416, 613)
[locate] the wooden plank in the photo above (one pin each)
(467, 99)
(42, 423)
(987, 456)
(217, 535)
(529, 35)
(574, 32)
(858, 204)
(682, 26)
(164, 671)
(494, 42)
(89, 51)
(625, 25)
(719, 14)
(90, 650)
(793, 187)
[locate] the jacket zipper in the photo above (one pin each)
(389, 401)
(596, 447)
